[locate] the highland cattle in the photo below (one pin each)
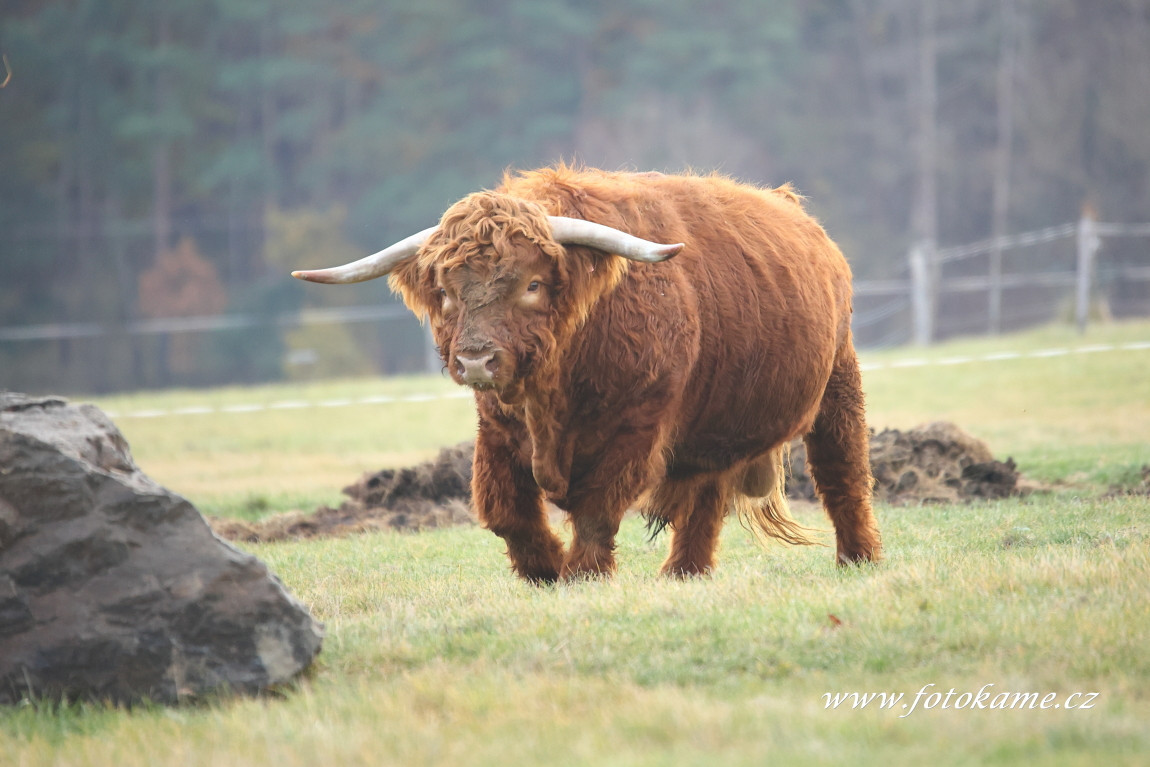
(641, 340)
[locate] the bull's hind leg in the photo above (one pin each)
(838, 454)
(694, 510)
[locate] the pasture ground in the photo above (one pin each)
(435, 654)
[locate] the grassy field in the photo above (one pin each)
(1067, 418)
(435, 654)
(237, 460)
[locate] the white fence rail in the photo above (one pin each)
(866, 365)
(202, 324)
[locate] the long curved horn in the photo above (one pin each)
(370, 267)
(576, 231)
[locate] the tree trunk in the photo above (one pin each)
(162, 153)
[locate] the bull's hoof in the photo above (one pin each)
(589, 566)
(539, 573)
(685, 571)
(542, 579)
(535, 561)
(859, 557)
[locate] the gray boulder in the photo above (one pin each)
(114, 588)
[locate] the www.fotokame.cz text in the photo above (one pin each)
(986, 697)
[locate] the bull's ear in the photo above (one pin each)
(587, 275)
(416, 285)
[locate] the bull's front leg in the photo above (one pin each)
(602, 490)
(510, 504)
(551, 451)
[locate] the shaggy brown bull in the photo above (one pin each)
(607, 376)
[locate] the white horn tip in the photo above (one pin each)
(657, 254)
(316, 275)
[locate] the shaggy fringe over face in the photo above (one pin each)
(477, 229)
(482, 229)
(479, 221)
(493, 232)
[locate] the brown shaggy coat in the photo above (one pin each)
(673, 387)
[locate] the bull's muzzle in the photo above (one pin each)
(478, 371)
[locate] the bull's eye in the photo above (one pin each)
(446, 304)
(534, 286)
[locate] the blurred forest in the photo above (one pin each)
(178, 158)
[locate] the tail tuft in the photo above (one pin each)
(762, 507)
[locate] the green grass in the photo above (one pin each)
(1071, 419)
(248, 464)
(435, 654)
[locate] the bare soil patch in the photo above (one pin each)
(1140, 489)
(433, 494)
(937, 463)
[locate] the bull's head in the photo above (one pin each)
(502, 282)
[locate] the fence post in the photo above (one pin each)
(994, 288)
(1088, 244)
(922, 292)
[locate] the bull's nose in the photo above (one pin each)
(476, 370)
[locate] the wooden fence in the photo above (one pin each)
(963, 289)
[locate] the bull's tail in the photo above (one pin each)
(761, 501)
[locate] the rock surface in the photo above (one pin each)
(112, 587)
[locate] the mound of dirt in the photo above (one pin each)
(1141, 488)
(432, 494)
(938, 463)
